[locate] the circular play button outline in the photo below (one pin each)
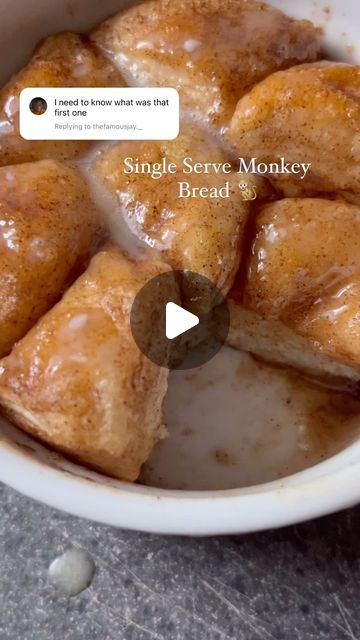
(179, 319)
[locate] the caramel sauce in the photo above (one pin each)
(236, 422)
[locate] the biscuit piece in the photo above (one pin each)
(79, 383)
(307, 114)
(212, 51)
(48, 229)
(298, 301)
(202, 234)
(63, 60)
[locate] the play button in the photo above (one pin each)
(179, 320)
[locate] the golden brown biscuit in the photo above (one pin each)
(63, 60)
(307, 114)
(212, 51)
(48, 230)
(202, 234)
(79, 383)
(299, 298)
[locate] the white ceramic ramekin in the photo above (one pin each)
(40, 474)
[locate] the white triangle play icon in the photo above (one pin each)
(178, 320)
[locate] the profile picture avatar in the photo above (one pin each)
(38, 106)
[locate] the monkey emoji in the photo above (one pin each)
(247, 192)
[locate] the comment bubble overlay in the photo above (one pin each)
(124, 113)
